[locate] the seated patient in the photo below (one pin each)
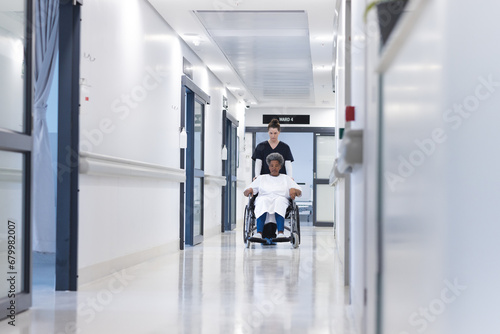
(274, 191)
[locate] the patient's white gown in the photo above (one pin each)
(274, 194)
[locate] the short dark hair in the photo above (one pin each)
(275, 124)
(275, 156)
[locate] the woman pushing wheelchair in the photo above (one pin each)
(275, 191)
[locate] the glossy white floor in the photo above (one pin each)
(217, 287)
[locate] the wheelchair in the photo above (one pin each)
(292, 224)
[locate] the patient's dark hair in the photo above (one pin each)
(275, 124)
(275, 156)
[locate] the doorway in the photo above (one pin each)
(324, 195)
(44, 255)
(55, 243)
(193, 120)
(229, 168)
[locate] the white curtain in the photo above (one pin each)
(46, 48)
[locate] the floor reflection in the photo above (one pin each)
(219, 286)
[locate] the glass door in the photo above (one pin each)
(193, 111)
(15, 160)
(199, 174)
(323, 211)
(229, 170)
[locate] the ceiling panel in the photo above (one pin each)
(270, 51)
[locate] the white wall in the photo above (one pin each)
(357, 180)
(359, 88)
(131, 72)
(340, 94)
(371, 135)
(440, 163)
(245, 170)
(242, 173)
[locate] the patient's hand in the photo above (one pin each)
(248, 192)
(295, 193)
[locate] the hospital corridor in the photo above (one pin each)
(249, 166)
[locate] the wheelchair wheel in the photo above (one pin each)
(246, 224)
(295, 240)
(298, 221)
(295, 226)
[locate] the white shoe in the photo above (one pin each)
(280, 235)
(257, 235)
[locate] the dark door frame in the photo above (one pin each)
(226, 171)
(68, 147)
(191, 94)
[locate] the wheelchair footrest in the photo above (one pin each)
(282, 239)
(260, 240)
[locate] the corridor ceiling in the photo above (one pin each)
(272, 54)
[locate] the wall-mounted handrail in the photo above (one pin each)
(98, 164)
(215, 179)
